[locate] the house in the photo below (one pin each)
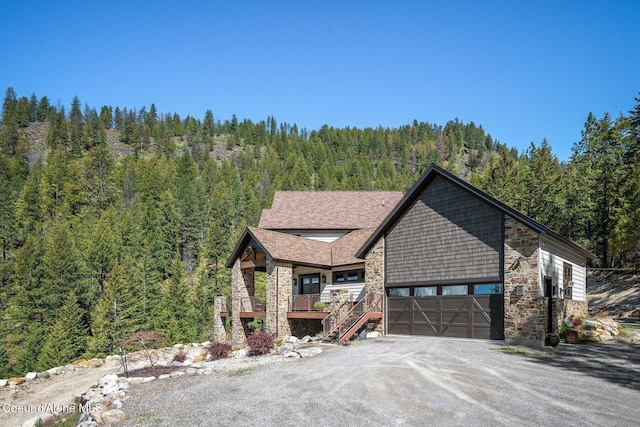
(306, 245)
(446, 259)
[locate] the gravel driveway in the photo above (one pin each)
(408, 381)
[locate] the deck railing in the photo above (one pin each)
(340, 324)
(252, 304)
(305, 302)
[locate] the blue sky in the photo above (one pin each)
(523, 70)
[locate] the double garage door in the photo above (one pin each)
(461, 311)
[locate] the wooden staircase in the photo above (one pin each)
(343, 328)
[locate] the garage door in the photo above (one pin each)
(462, 311)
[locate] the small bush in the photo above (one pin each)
(218, 350)
(260, 342)
(181, 356)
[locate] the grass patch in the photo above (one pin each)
(147, 418)
(518, 350)
(239, 372)
(70, 421)
(629, 328)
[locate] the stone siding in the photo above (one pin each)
(219, 330)
(374, 278)
(242, 286)
(525, 316)
(279, 289)
(562, 308)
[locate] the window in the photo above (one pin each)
(399, 292)
(310, 284)
(350, 276)
(455, 290)
(568, 280)
(487, 289)
(425, 291)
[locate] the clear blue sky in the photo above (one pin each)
(523, 70)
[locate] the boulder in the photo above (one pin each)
(81, 362)
(95, 362)
(374, 334)
(55, 371)
(113, 416)
(110, 388)
(3, 382)
(592, 324)
(569, 321)
(16, 380)
(44, 374)
(31, 376)
(109, 378)
(309, 352)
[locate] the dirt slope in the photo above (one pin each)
(616, 292)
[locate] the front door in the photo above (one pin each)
(310, 284)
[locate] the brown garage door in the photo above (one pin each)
(410, 312)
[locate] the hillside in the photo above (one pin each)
(614, 292)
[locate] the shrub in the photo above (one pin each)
(218, 350)
(181, 356)
(260, 342)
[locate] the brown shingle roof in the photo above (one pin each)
(343, 250)
(287, 247)
(299, 250)
(328, 210)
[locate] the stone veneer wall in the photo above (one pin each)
(525, 318)
(242, 286)
(562, 308)
(279, 289)
(219, 330)
(374, 277)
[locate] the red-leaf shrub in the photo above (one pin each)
(181, 356)
(218, 350)
(260, 342)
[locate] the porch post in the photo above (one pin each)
(242, 285)
(374, 278)
(219, 331)
(279, 289)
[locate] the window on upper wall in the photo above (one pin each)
(568, 280)
(350, 276)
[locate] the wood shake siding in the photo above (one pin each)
(447, 235)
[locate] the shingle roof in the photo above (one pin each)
(299, 250)
(328, 210)
(287, 247)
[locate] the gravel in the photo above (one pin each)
(404, 381)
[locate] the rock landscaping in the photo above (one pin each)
(601, 329)
(104, 402)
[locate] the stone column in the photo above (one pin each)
(242, 281)
(219, 331)
(374, 278)
(525, 316)
(279, 289)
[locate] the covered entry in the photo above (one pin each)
(461, 311)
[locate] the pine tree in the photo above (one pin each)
(66, 340)
(175, 316)
(119, 311)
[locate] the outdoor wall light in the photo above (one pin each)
(295, 282)
(519, 289)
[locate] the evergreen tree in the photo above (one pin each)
(66, 340)
(175, 316)
(119, 311)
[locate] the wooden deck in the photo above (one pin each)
(307, 314)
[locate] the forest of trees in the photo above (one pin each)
(120, 220)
